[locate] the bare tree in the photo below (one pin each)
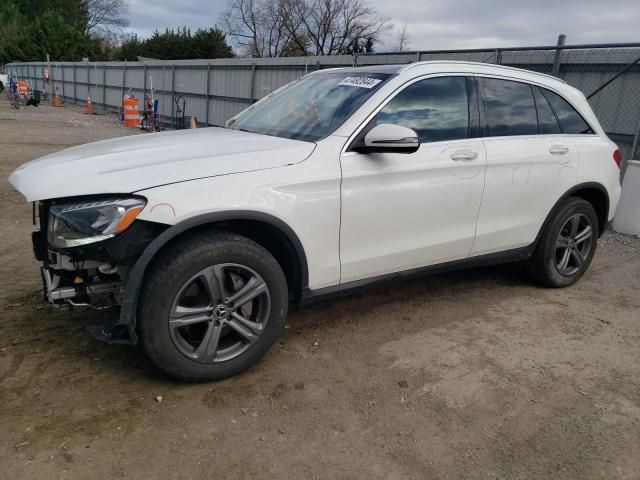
(309, 27)
(401, 42)
(107, 18)
(256, 26)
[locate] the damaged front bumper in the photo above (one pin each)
(93, 276)
(98, 295)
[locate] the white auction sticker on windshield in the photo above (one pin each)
(363, 82)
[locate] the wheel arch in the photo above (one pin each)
(593, 192)
(267, 230)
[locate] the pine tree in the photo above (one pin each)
(177, 44)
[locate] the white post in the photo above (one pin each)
(627, 219)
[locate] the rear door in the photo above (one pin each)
(402, 211)
(530, 164)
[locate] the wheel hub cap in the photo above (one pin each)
(220, 312)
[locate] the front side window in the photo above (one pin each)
(509, 108)
(437, 109)
(311, 108)
(571, 121)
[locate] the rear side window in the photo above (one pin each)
(571, 121)
(509, 108)
(547, 121)
(437, 109)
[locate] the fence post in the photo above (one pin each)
(253, 81)
(124, 79)
(173, 93)
(62, 79)
(634, 145)
(206, 111)
(555, 70)
(104, 87)
(74, 84)
(144, 83)
(50, 70)
(88, 81)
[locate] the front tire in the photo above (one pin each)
(211, 306)
(567, 244)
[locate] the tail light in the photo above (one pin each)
(617, 157)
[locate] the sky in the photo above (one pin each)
(444, 24)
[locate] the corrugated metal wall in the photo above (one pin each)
(215, 90)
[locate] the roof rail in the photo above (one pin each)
(491, 65)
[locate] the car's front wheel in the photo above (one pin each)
(211, 306)
(567, 244)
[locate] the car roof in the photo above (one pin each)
(390, 69)
(451, 66)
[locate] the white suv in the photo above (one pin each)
(339, 180)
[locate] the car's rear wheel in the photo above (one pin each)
(211, 306)
(567, 244)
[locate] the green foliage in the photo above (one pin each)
(31, 29)
(361, 46)
(177, 45)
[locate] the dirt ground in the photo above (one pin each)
(469, 375)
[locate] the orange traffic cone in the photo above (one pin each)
(89, 110)
(192, 122)
(56, 99)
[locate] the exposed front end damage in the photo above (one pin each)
(92, 275)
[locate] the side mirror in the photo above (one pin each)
(391, 138)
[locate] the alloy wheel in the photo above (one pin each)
(573, 244)
(219, 313)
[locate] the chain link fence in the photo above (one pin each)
(215, 90)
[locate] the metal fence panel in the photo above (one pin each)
(215, 90)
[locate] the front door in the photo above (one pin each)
(403, 211)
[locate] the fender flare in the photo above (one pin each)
(570, 192)
(134, 280)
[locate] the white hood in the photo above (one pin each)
(129, 164)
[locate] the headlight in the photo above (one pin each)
(75, 224)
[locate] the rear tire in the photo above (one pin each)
(211, 306)
(567, 244)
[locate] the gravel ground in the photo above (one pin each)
(474, 374)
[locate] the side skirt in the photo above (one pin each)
(508, 256)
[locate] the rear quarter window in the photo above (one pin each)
(570, 120)
(547, 120)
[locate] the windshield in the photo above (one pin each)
(311, 108)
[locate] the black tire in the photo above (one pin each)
(545, 265)
(175, 268)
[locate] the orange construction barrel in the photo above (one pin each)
(23, 88)
(131, 112)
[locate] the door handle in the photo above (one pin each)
(558, 150)
(464, 155)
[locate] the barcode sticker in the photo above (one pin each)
(363, 82)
